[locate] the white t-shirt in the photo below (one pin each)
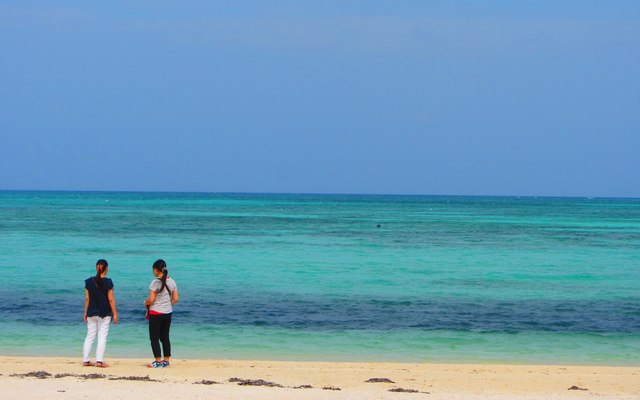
(163, 299)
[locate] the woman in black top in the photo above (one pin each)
(99, 311)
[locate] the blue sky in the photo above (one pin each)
(408, 97)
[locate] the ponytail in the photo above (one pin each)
(161, 266)
(101, 266)
(165, 273)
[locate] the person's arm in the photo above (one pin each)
(174, 296)
(112, 303)
(151, 299)
(86, 304)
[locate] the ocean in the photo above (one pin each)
(330, 277)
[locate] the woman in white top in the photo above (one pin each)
(163, 294)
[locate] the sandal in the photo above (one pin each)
(101, 364)
(88, 364)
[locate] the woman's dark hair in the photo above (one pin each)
(161, 266)
(103, 265)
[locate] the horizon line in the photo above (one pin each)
(308, 193)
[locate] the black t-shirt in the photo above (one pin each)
(98, 297)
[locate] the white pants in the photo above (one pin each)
(99, 326)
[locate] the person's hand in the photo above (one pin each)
(85, 318)
(115, 318)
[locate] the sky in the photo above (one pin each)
(524, 98)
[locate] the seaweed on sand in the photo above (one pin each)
(303, 387)
(206, 382)
(33, 374)
(254, 382)
(379, 380)
(83, 376)
(133, 378)
(402, 390)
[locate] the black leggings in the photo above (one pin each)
(159, 326)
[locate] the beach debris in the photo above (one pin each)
(574, 387)
(83, 376)
(303, 387)
(92, 376)
(133, 378)
(206, 382)
(379, 380)
(331, 388)
(33, 374)
(254, 382)
(402, 390)
(45, 375)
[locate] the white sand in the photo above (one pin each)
(440, 381)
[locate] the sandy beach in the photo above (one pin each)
(65, 378)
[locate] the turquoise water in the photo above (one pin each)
(331, 277)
